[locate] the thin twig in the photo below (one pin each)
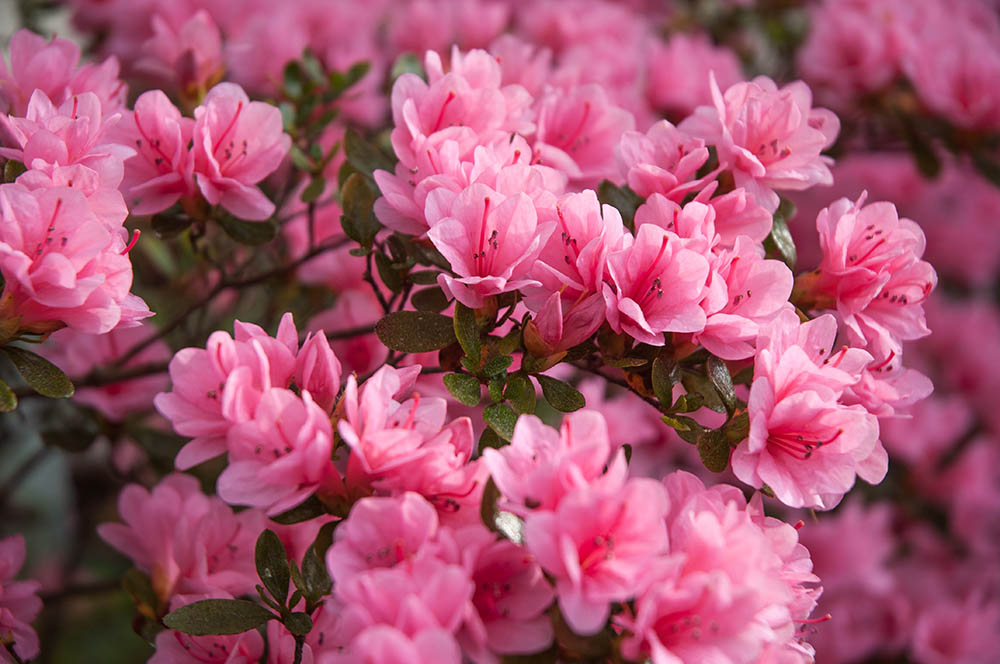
(620, 382)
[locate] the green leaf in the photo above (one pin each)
(737, 428)
(497, 365)
(299, 623)
(744, 376)
(407, 63)
(488, 506)
(464, 387)
(315, 189)
(363, 156)
(713, 448)
(698, 383)
(272, 565)
(467, 332)
(722, 381)
(415, 331)
(167, 226)
(430, 299)
(357, 72)
(41, 375)
(489, 438)
(13, 170)
(8, 400)
(623, 199)
(779, 242)
(250, 233)
(685, 427)
(217, 616)
(310, 508)
(293, 79)
(664, 376)
(495, 387)
(389, 275)
(561, 396)
(357, 200)
(520, 393)
(140, 589)
(315, 577)
(423, 277)
(324, 538)
(501, 419)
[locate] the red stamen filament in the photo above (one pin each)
(229, 127)
(135, 238)
(440, 118)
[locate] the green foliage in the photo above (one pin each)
(217, 616)
(561, 396)
(41, 375)
(415, 331)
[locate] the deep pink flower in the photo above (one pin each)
(770, 138)
(317, 370)
(161, 172)
(490, 240)
(598, 545)
(237, 143)
(188, 543)
(958, 632)
(658, 284)
(19, 602)
(62, 264)
(664, 160)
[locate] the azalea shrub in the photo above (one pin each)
(482, 331)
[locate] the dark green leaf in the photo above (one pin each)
(779, 243)
(718, 374)
(495, 386)
(698, 383)
(272, 565)
(624, 199)
(314, 190)
(488, 507)
(665, 375)
(301, 160)
(324, 538)
(464, 387)
(685, 427)
(299, 623)
(430, 299)
(489, 438)
(744, 376)
(688, 403)
(315, 576)
(251, 233)
(713, 448)
(357, 201)
(217, 616)
(628, 452)
(140, 589)
(521, 393)
(921, 145)
(390, 276)
(294, 84)
(357, 72)
(363, 156)
(170, 225)
(415, 331)
(626, 362)
(310, 508)
(467, 332)
(561, 396)
(8, 400)
(41, 375)
(738, 428)
(501, 419)
(407, 63)
(423, 277)
(497, 365)
(13, 170)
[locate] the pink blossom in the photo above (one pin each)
(490, 240)
(19, 602)
(237, 143)
(888, 389)
(62, 264)
(597, 545)
(678, 72)
(188, 543)
(161, 172)
(872, 274)
(577, 131)
(436, 25)
(522, 62)
(77, 354)
(36, 64)
(664, 160)
(804, 443)
(770, 138)
(317, 371)
(190, 58)
(658, 281)
(540, 467)
(388, 645)
(958, 632)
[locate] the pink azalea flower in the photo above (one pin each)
(577, 131)
(872, 274)
(388, 645)
(19, 602)
(598, 545)
(490, 240)
(63, 265)
(958, 632)
(317, 371)
(658, 282)
(36, 64)
(161, 172)
(435, 25)
(540, 467)
(804, 443)
(237, 143)
(188, 543)
(189, 58)
(522, 62)
(664, 160)
(678, 72)
(770, 138)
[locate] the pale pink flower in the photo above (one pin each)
(664, 160)
(678, 72)
(189, 58)
(388, 645)
(19, 602)
(490, 240)
(62, 264)
(188, 543)
(770, 138)
(161, 172)
(540, 467)
(577, 131)
(598, 545)
(658, 282)
(888, 389)
(436, 25)
(237, 143)
(36, 64)
(522, 62)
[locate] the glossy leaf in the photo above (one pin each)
(415, 331)
(217, 616)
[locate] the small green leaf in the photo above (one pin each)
(140, 589)
(713, 448)
(464, 387)
(467, 332)
(686, 428)
(737, 428)
(623, 199)
(497, 365)
(250, 233)
(358, 220)
(628, 452)
(744, 376)
(626, 362)
(520, 393)
(217, 616)
(722, 381)
(299, 623)
(407, 63)
(430, 299)
(316, 579)
(389, 275)
(167, 226)
(561, 396)
(272, 565)
(8, 400)
(780, 243)
(664, 376)
(293, 79)
(488, 507)
(415, 331)
(495, 386)
(315, 189)
(41, 375)
(423, 277)
(489, 438)
(363, 156)
(13, 170)
(310, 508)
(696, 382)
(501, 419)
